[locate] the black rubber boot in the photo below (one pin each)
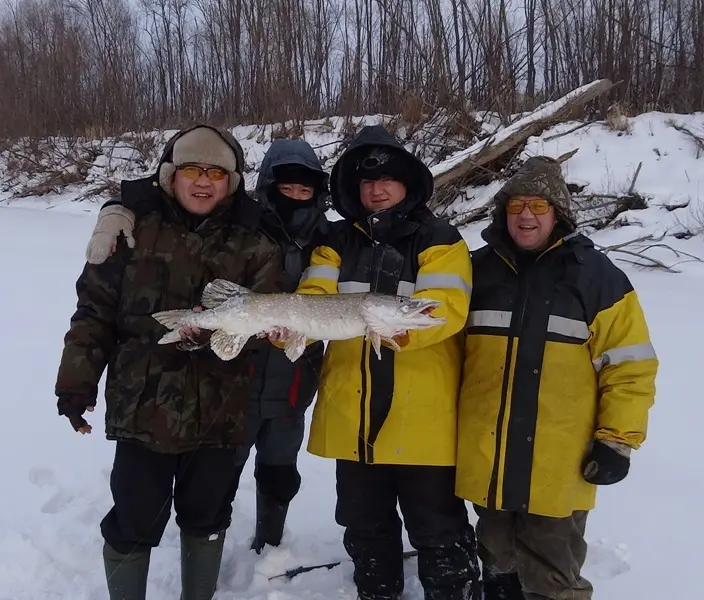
(271, 518)
(126, 573)
(200, 565)
(501, 586)
(450, 570)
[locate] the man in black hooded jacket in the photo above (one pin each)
(391, 422)
(292, 188)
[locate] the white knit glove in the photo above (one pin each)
(103, 242)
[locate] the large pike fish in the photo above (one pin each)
(234, 314)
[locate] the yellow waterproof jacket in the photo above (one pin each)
(401, 409)
(557, 354)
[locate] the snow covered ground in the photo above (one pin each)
(646, 536)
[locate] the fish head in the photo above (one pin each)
(395, 314)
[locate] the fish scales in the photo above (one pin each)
(235, 314)
(319, 317)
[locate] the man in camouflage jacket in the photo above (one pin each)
(291, 189)
(177, 416)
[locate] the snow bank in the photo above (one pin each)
(670, 180)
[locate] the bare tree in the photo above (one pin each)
(96, 67)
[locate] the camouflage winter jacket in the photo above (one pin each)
(166, 398)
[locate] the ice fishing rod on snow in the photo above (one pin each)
(291, 573)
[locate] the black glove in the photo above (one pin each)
(605, 465)
(73, 406)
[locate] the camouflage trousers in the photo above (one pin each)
(547, 554)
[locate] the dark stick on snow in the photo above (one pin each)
(291, 573)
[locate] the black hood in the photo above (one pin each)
(301, 224)
(289, 152)
(145, 194)
(497, 237)
(152, 181)
(225, 135)
(344, 184)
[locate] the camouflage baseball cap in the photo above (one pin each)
(538, 176)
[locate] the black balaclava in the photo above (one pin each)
(285, 206)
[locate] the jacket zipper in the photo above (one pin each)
(362, 439)
(513, 331)
(363, 442)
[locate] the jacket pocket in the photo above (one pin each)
(124, 387)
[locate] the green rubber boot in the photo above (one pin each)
(126, 573)
(200, 565)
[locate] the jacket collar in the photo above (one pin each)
(564, 239)
(392, 224)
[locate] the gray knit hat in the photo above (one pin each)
(200, 145)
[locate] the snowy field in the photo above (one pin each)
(646, 536)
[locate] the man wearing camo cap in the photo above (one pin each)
(558, 378)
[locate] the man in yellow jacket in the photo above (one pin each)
(558, 379)
(391, 424)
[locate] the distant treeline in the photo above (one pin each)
(99, 67)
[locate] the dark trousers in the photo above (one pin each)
(278, 441)
(202, 485)
(436, 521)
(545, 553)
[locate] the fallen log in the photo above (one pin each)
(460, 167)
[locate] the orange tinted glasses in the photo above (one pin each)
(194, 172)
(537, 206)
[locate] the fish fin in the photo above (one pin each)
(375, 339)
(171, 337)
(171, 318)
(219, 290)
(375, 324)
(391, 343)
(225, 346)
(295, 346)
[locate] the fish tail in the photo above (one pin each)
(170, 338)
(171, 318)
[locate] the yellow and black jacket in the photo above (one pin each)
(401, 409)
(557, 354)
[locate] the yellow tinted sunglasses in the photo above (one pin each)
(537, 206)
(194, 172)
